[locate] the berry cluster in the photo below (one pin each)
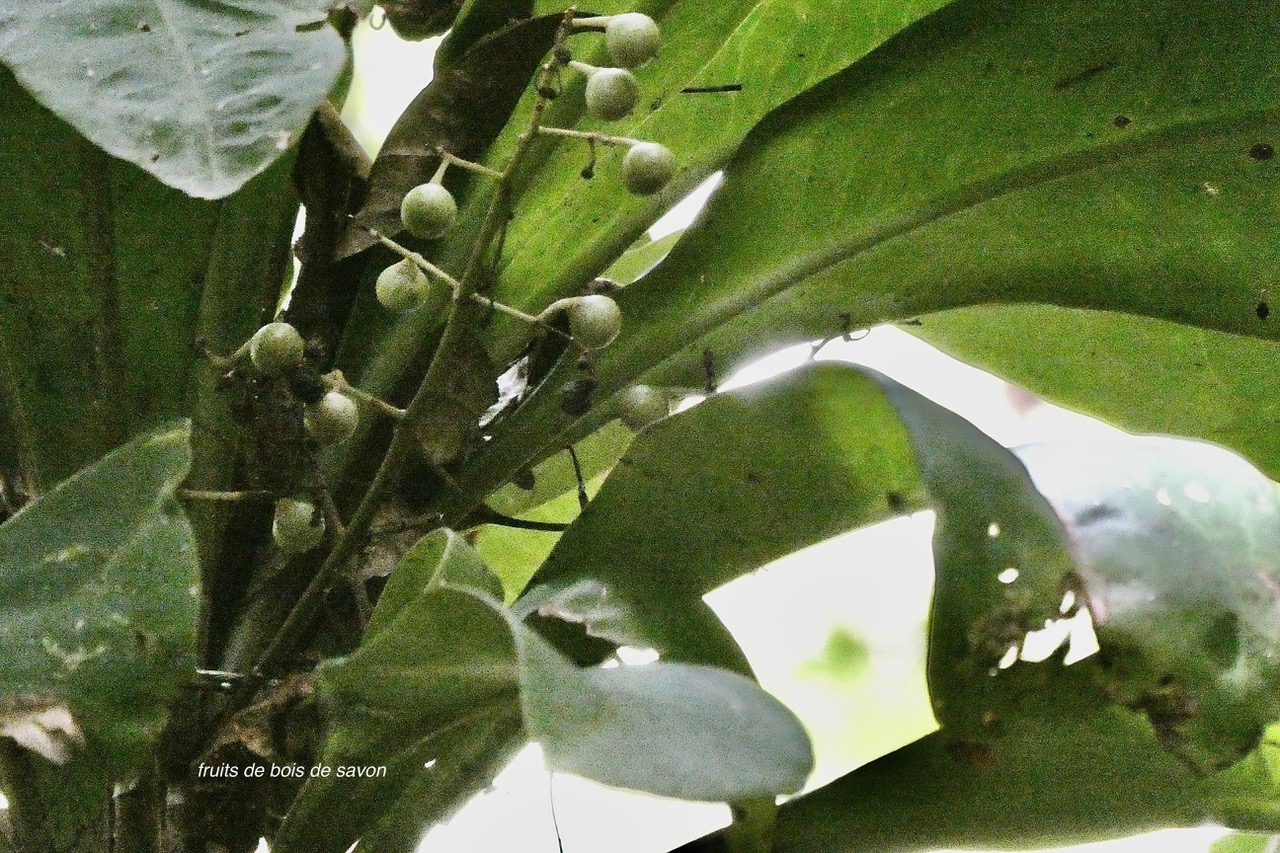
(330, 416)
(330, 413)
(429, 210)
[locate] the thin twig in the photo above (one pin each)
(335, 380)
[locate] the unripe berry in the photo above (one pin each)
(594, 321)
(632, 39)
(428, 210)
(276, 349)
(297, 527)
(641, 405)
(612, 93)
(332, 419)
(647, 168)
(402, 287)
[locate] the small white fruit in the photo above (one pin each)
(428, 210)
(632, 39)
(612, 93)
(297, 527)
(402, 287)
(647, 168)
(276, 349)
(332, 419)
(594, 321)
(641, 405)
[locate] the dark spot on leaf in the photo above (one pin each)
(753, 478)
(1122, 121)
(144, 27)
(800, 56)
(311, 27)
(1084, 76)
(1262, 151)
(240, 33)
(988, 67)
(896, 501)
(1263, 310)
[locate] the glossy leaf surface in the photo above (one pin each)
(203, 96)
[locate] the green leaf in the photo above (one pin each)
(990, 519)
(1177, 547)
(1121, 368)
(98, 599)
(203, 96)
(725, 487)
(95, 338)
(1168, 546)
(1165, 547)
(447, 663)
(773, 49)
(1053, 151)
(435, 682)
(1049, 786)
(675, 730)
(1245, 842)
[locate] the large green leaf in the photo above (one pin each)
(721, 489)
(671, 729)
(435, 682)
(1141, 374)
(1053, 151)
(98, 314)
(773, 49)
(203, 96)
(98, 599)
(1169, 548)
(447, 663)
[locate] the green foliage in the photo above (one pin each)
(1075, 193)
(204, 97)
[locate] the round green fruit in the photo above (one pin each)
(594, 321)
(647, 168)
(402, 287)
(276, 349)
(612, 93)
(428, 211)
(641, 405)
(297, 527)
(332, 419)
(632, 39)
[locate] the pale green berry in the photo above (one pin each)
(647, 168)
(612, 93)
(428, 210)
(632, 39)
(594, 321)
(641, 405)
(331, 419)
(276, 349)
(402, 287)
(297, 526)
